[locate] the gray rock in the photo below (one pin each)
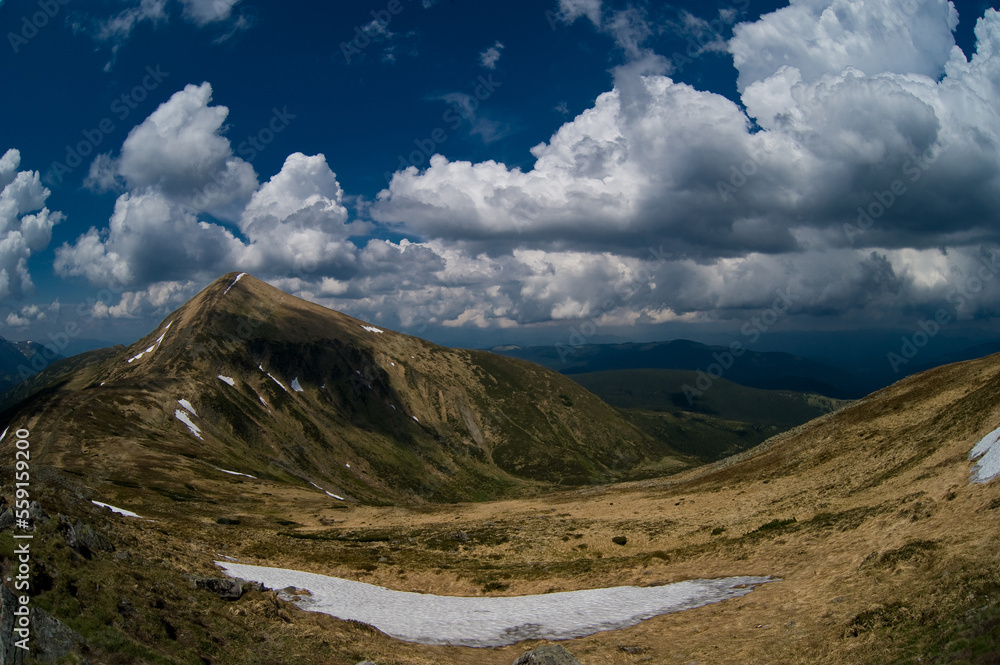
(551, 654)
(53, 639)
(83, 538)
(6, 518)
(9, 654)
(36, 513)
(92, 539)
(50, 640)
(226, 588)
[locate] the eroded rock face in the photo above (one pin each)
(551, 654)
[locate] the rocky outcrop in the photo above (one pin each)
(83, 538)
(226, 588)
(50, 640)
(551, 654)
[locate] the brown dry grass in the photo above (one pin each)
(891, 557)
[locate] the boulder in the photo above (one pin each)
(551, 654)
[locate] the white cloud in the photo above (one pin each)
(824, 37)
(28, 315)
(570, 10)
(736, 205)
(149, 239)
(25, 224)
(297, 221)
(179, 150)
(203, 12)
(117, 29)
(491, 56)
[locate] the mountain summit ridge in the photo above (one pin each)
(249, 378)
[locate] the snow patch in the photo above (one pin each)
(227, 379)
(184, 418)
(4, 433)
(261, 400)
(415, 418)
(492, 621)
(987, 451)
(187, 406)
(261, 368)
(296, 386)
(347, 465)
(338, 498)
(236, 473)
(120, 511)
(373, 329)
(238, 277)
(153, 346)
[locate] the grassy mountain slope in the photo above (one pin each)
(314, 396)
(882, 550)
(663, 390)
(723, 420)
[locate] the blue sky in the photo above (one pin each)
(653, 170)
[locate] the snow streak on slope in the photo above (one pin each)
(238, 277)
(120, 511)
(236, 473)
(373, 329)
(987, 451)
(186, 419)
(152, 347)
(228, 379)
(497, 621)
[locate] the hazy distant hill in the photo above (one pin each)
(723, 420)
(766, 370)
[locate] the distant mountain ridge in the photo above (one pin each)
(767, 370)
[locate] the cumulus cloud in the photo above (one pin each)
(179, 150)
(297, 221)
(28, 315)
(863, 138)
(875, 36)
(25, 224)
(836, 184)
(175, 167)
